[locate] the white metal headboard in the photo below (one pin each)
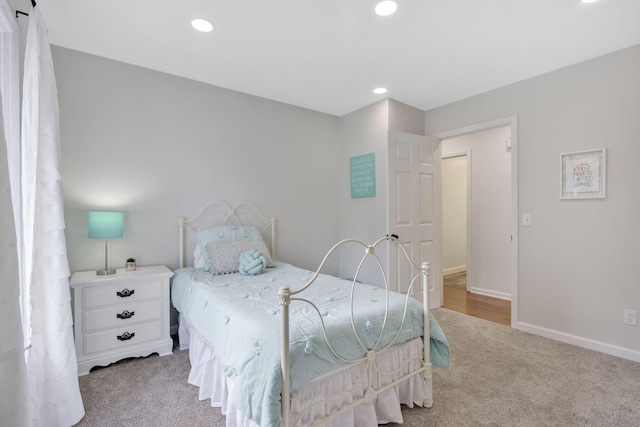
(220, 213)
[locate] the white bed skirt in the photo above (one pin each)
(334, 389)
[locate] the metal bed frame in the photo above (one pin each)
(287, 296)
(245, 213)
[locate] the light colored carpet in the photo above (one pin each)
(498, 377)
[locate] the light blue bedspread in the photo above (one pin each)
(239, 318)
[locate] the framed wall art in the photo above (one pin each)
(583, 174)
(363, 176)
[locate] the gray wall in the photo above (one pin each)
(159, 147)
(577, 259)
(361, 132)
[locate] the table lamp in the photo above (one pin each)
(105, 225)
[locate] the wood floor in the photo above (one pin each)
(489, 308)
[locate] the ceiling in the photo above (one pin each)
(328, 55)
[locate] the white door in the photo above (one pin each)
(414, 214)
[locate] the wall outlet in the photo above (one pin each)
(630, 317)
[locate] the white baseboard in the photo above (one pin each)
(454, 270)
(614, 350)
(490, 293)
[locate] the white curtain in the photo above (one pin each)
(13, 391)
(13, 383)
(54, 394)
(10, 90)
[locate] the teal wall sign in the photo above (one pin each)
(363, 176)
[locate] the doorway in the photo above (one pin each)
(491, 231)
(455, 218)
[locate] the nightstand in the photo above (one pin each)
(122, 315)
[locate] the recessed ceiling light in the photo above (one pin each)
(202, 25)
(386, 7)
(589, 1)
(380, 90)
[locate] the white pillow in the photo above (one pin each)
(198, 259)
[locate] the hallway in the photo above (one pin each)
(455, 297)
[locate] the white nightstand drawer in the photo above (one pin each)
(123, 315)
(139, 315)
(128, 292)
(114, 339)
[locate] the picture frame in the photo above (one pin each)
(583, 174)
(363, 176)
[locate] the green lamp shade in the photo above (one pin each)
(105, 225)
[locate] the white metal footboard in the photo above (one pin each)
(370, 354)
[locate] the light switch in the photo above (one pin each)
(526, 219)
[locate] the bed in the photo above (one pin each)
(345, 353)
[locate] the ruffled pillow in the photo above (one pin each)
(252, 263)
(198, 259)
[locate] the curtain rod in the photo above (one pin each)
(19, 12)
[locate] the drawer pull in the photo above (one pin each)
(125, 293)
(126, 336)
(125, 314)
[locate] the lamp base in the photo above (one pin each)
(106, 272)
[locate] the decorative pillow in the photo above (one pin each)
(226, 233)
(252, 263)
(198, 259)
(224, 257)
